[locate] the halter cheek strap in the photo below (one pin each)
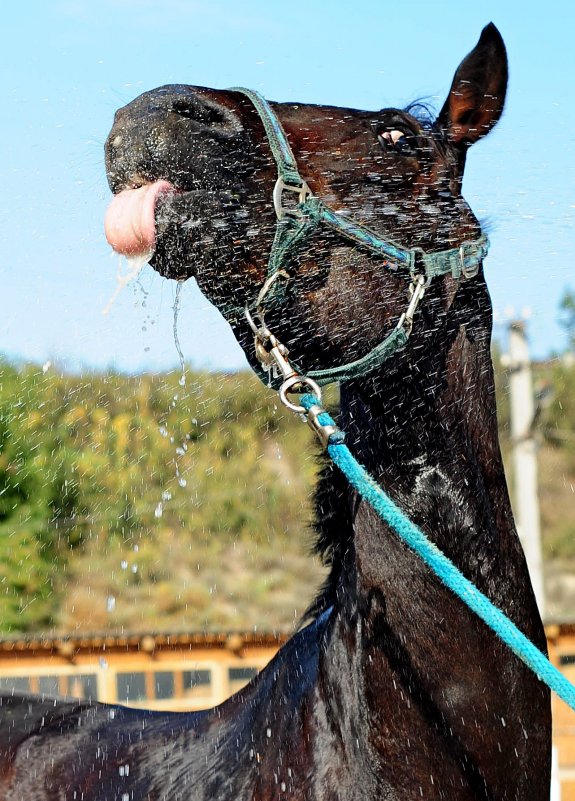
(297, 221)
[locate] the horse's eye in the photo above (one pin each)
(397, 141)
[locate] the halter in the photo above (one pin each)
(295, 222)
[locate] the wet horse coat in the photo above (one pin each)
(395, 690)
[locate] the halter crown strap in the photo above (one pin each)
(295, 224)
(282, 152)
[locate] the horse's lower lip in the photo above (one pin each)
(130, 224)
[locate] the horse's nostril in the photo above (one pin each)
(183, 109)
(201, 110)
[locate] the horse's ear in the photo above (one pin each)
(477, 94)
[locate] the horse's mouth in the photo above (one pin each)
(165, 224)
(130, 222)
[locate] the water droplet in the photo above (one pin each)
(268, 732)
(124, 564)
(177, 300)
(134, 569)
(182, 482)
(46, 366)
(163, 431)
(159, 510)
(110, 603)
(103, 663)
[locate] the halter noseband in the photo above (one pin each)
(295, 223)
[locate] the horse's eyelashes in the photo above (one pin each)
(398, 141)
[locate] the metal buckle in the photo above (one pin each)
(302, 190)
(416, 290)
(417, 265)
(469, 271)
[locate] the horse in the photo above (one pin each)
(391, 688)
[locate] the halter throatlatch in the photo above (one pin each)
(296, 221)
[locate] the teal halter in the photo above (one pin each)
(296, 222)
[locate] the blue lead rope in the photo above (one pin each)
(443, 567)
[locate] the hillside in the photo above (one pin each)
(149, 502)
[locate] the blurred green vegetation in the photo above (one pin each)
(567, 315)
(145, 502)
(113, 488)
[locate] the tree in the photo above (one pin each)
(567, 315)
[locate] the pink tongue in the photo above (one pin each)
(129, 224)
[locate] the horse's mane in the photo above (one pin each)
(334, 534)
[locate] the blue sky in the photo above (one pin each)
(66, 66)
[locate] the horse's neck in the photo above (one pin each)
(428, 434)
(429, 437)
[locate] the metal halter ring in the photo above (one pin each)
(251, 322)
(292, 382)
(269, 282)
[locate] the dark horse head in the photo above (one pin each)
(203, 157)
(394, 690)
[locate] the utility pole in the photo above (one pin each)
(525, 455)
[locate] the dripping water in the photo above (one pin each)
(135, 264)
(182, 382)
(177, 301)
